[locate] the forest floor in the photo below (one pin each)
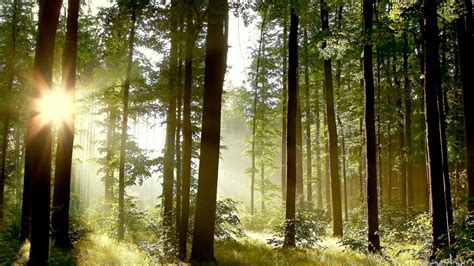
(99, 249)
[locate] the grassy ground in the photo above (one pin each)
(102, 250)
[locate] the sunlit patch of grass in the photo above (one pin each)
(102, 250)
(255, 251)
(23, 254)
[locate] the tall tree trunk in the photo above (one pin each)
(110, 155)
(379, 136)
(38, 140)
(169, 154)
(465, 42)
(318, 152)
(402, 179)
(343, 148)
(372, 202)
(216, 59)
(179, 103)
(187, 133)
(6, 121)
(299, 150)
(290, 229)
(254, 119)
(309, 121)
(332, 133)
(284, 107)
(433, 132)
(123, 137)
(62, 175)
(407, 125)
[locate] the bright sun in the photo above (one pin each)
(56, 107)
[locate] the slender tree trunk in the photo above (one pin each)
(402, 179)
(38, 139)
(318, 152)
(254, 119)
(169, 154)
(123, 137)
(343, 148)
(216, 58)
(109, 176)
(187, 133)
(372, 202)
(433, 132)
(290, 229)
(263, 186)
(284, 107)
(6, 121)
(379, 136)
(389, 162)
(309, 121)
(62, 175)
(465, 42)
(299, 150)
(407, 125)
(332, 134)
(179, 102)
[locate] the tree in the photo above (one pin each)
(465, 42)
(332, 132)
(372, 206)
(6, 122)
(126, 90)
(38, 139)
(215, 67)
(169, 158)
(433, 131)
(187, 134)
(309, 121)
(284, 107)
(290, 229)
(62, 175)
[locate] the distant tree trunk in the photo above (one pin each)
(299, 150)
(109, 176)
(123, 137)
(332, 134)
(263, 186)
(402, 179)
(361, 159)
(284, 107)
(465, 42)
(372, 205)
(254, 119)
(343, 148)
(379, 136)
(187, 133)
(169, 154)
(389, 162)
(6, 121)
(38, 139)
(407, 125)
(62, 175)
(433, 132)
(216, 59)
(290, 229)
(318, 152)
(309, 121)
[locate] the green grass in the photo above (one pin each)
(99, 249)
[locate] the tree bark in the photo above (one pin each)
(433, 132)
(215, 68)
(407, 125)
(284, 108)
(62, 175)
(466, 57)
(290, 229)
(123, 137)
(169, 154)
(38, 140)
(309, 121)
(332, 133)
(187, 132)
(6, 121)
(372, 201)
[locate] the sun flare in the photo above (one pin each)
(56, 107)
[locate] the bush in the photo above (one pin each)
(310, 225)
